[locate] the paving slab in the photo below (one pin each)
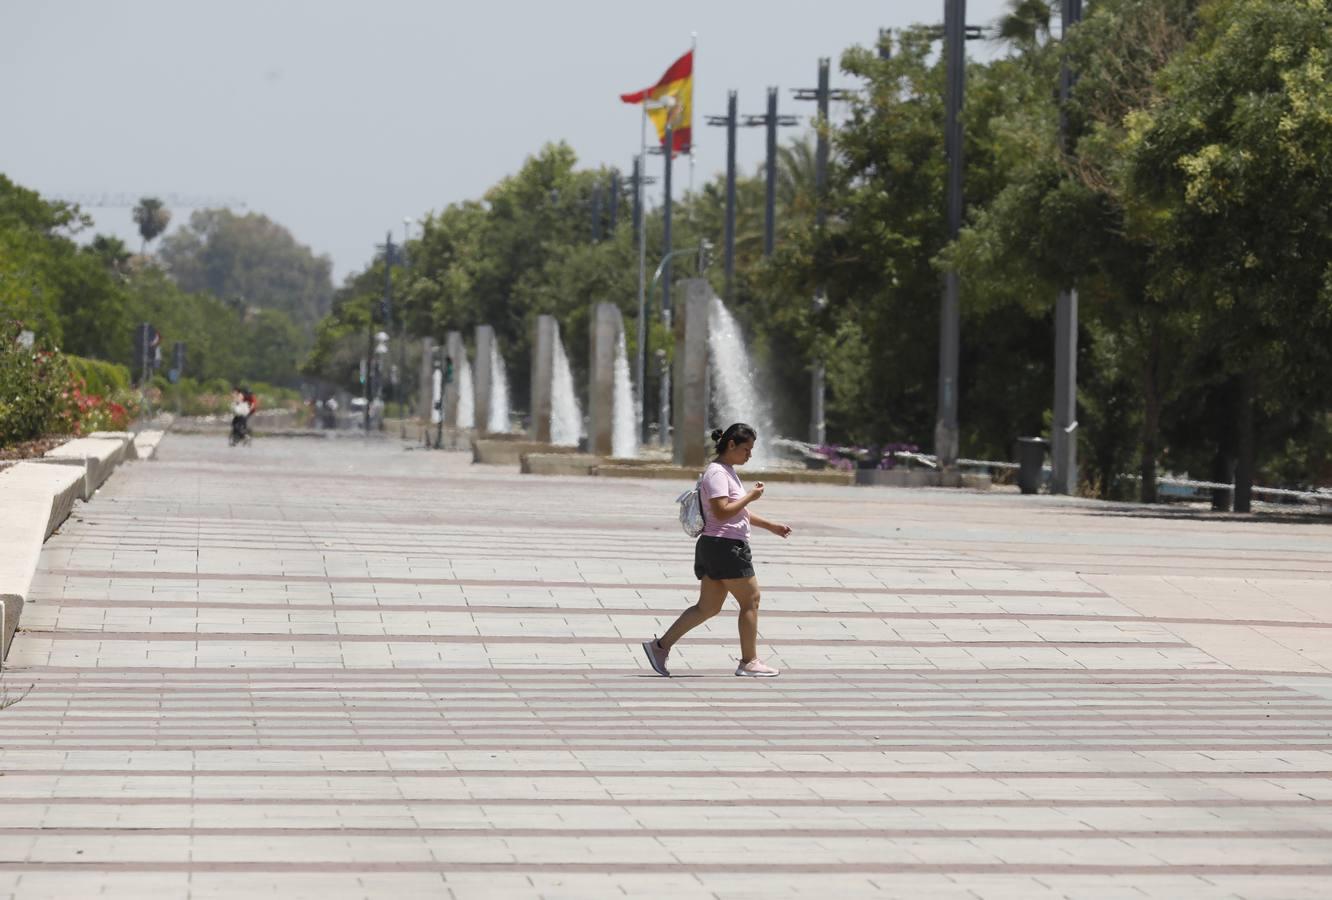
(328, 668)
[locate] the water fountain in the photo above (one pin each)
(466, 394)
(735, 393)
(624, 428)
(612, 418)
(456, 352)
(498, 410)
(566, 416)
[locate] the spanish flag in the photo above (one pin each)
(676, 89)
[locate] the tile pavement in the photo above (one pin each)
(333, 669)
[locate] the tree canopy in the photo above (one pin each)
(252, 261)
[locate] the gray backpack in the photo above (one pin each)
(691, 510)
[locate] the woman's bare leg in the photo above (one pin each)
(746, 593)
(711, 596)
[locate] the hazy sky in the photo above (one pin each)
(339, 118)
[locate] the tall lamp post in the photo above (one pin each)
(729, 122)
(1064, 425)
(381, 354)
(402, 334)
(955, 35)
(641, 179)
(821, 95)
(771, 121)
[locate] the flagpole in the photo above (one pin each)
(642, 280)
(693, 75)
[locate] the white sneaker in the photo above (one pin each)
(756, 669)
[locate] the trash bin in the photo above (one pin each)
(1031, 463)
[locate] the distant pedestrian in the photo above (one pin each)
(722, 560)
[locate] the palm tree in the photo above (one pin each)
(797, 176)
(152, 217)
(112, 253)
(1027, 22)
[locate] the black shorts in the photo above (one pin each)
(722, 558)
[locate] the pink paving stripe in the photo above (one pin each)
(233, 726)
(883, 553)
(398, 801)
(673, 868)
(867, 745)
(732, 774)
(1048, 707)
(570, 611)
(362, 722)
(536, 681)
(770, 830)
(240, 637)
(87, 688)
(684, 585)
(1204, 674)
(774, 726)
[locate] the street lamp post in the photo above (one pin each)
(771, 121)
(1063, 430)
(381, 353)
(728, 122)
(946, 434)
(402, 335)
(821, 95)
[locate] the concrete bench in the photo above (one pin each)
(34, 500)
(145, 443)
(98, 458)
(509, 452)
(21, 532)
(126, 436)
(558, 464)
(55, 486)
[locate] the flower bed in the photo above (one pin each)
(45, 394)
(876, 457)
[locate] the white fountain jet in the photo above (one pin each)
(566, 416)
(736, 396)
(466, 395)
(499, 394)
(625, 415)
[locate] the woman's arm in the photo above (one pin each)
(776, 528)
(724, 507)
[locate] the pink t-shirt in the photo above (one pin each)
(720, 480)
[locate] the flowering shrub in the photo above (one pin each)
(41, 394)
(31, 382)
(888, 454)
(83, 413)
(848, 458)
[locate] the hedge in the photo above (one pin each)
(100, 377)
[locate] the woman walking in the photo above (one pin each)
(722, 561)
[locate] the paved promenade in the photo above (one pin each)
(328, 669)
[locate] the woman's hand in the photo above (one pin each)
(756, 491)
(777, 528)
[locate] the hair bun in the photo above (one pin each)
(717, 434)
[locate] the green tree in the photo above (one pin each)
(1068, 217)
(251, 260)
(152, 217)
(1232, 169)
